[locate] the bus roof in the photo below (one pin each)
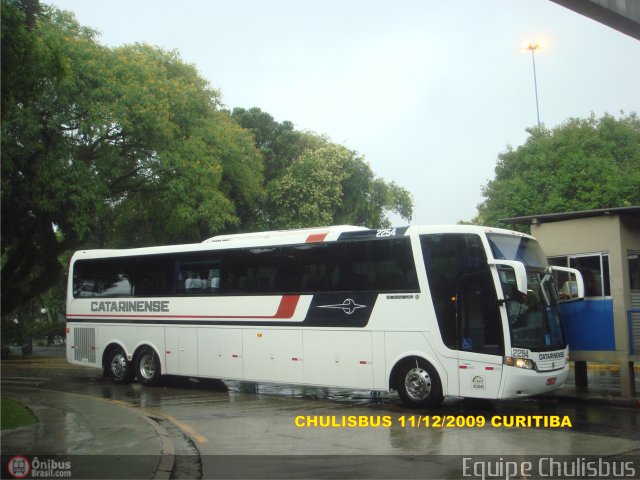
(295, 236)
(285, 233)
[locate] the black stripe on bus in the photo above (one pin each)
(326, 310)
(381, 234)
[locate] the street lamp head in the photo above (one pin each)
(532, 47)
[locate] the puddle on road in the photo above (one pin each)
(337, 395)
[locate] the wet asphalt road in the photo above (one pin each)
(207, 418)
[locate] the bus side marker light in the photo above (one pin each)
(259, 335)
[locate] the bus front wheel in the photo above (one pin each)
(119, 368)
(148, 366)
(419, 384)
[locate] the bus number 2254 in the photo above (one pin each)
(386, 232)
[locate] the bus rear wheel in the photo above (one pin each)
(148, 366)
(118, 366)
(419, 384)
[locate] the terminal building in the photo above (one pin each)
(605, 246)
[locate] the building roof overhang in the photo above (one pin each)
(559, 217)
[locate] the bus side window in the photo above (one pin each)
(193, 283)
(213, 280)
(198, 276)
(312, 267)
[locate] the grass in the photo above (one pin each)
(14, 415)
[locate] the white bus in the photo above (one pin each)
(428, 311)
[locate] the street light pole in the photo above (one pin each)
(532, 48)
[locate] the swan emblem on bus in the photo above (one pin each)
(348, 306)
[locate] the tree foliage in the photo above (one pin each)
(309, 191)
(108, 147)
(129, 146)
(280, 143)
(582, 164)
(311, 181)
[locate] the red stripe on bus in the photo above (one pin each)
(316, 237)
(286, 310)
(287, 306)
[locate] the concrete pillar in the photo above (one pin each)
(627, 379)
(581, 374)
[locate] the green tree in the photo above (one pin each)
(311, 181)
(31, 67)
(108, 147)
(580, 165)
(310, 190)
(333, 185)
(280, 143)
(367, 199)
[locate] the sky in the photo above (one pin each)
(428, 91)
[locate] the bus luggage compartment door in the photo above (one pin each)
(338, 358)
(273, 355)
(181, 351)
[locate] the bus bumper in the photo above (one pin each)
(519, 382)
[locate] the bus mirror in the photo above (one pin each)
(518, 269)
(570, 284)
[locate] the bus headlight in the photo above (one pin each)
(519, 363)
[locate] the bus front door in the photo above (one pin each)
(480, 337)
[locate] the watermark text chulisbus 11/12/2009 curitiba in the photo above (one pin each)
(432, 421)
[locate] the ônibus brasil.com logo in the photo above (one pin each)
(20, 467)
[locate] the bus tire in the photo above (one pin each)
(119, 368)
(147, 366)
(418, 384)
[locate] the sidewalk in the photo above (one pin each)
(603, 388)
(100, 438)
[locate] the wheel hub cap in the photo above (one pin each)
(119, 365)
(418, 383)
(147, 366)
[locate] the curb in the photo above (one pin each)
(168, 451)
(167, 462)
(625, 402)
(168, 458)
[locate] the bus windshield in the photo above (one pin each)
(534, 319)
(521, 249)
